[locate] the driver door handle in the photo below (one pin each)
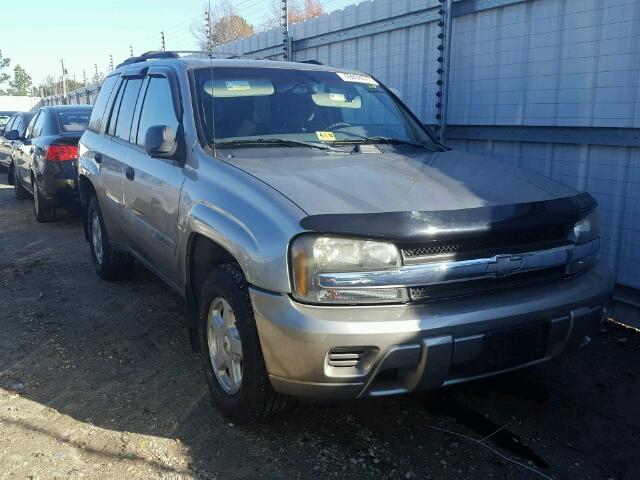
(130, 173)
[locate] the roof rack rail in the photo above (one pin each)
(148, 56)
(312, 62)
(156, 55)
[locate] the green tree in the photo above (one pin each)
(4, 63)
(21, 83)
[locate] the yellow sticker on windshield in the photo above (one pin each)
(326, 136)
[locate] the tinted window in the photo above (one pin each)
(74, 121)
(17, 124)
(4, 119)
(33, 121)
(37, 126)
(127, 106)
(24, 123)
(157, 108)
(115, 108)
(101, 103)
(9, 126)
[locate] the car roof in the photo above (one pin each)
(195, 63)
(66, 108)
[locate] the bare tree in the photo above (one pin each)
(225, 26)
(297, 12)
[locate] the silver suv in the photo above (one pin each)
(326, 244)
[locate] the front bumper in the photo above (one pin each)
(350, 352)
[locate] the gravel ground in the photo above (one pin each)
(97, 380)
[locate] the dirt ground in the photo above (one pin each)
(98, 380)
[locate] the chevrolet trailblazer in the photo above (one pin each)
(326, 244)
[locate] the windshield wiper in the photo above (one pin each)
(278, 141)
(387, 140)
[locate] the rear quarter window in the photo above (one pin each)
(97, 114)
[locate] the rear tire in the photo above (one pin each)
(44, 211)
(227, 327)
(109, 264)
(18, 189)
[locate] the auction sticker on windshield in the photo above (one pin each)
(357, 78)
(326, 136)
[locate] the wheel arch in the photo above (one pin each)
(86, 190)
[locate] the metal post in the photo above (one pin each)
(111, 63)
(84, 78)
(130, 51)
(444, 60)
(64, 80)
(207, 29)
(286, 44)
(95, 66)
(162, 47)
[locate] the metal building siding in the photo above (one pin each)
(548, 62)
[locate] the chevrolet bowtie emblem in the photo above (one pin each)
(504, 265)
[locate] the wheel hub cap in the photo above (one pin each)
(96, 237)
(225, 346)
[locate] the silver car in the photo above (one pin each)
(326, 244)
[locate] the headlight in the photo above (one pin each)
(586, 229)
(312, 254)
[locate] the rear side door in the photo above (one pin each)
(103, 159)
(152, 185)
(25, 152)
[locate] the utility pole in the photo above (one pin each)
(162, 41)
(284, 23)
(64, 79)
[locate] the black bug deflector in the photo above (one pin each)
(418, 226)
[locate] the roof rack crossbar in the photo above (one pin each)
(155, 55)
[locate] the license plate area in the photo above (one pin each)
(505, 349)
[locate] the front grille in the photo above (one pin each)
(491, 243)
(485, 285)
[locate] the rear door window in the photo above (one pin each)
(37, 125)
(127, 108)
(157, 108)
(95, 121)
(9, 126)
(29, 130)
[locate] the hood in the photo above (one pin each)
(322, 183)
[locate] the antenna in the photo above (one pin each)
(207, 16)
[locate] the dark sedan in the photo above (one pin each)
(17, 122)
(45, 162)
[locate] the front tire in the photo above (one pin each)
(44, 211)
(231, 352)
(109, 264)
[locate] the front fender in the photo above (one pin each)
(262, 255)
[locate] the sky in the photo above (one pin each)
(37, 33)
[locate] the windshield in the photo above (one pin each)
(247, 104)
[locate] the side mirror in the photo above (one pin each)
(12, 135)
(160, 141)
(1, 130)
